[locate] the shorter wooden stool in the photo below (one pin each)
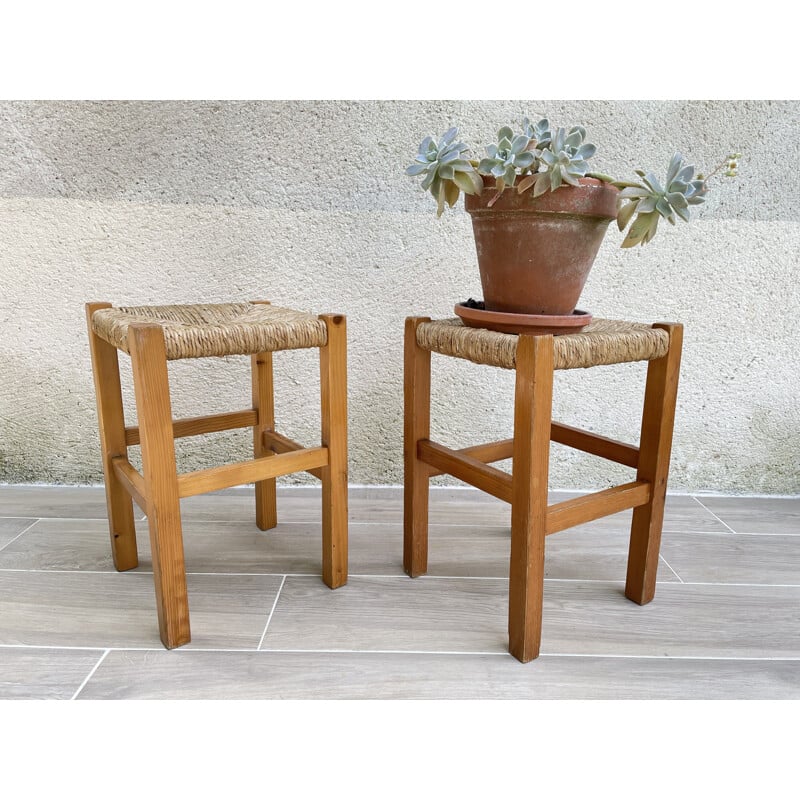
(153, 335)
(535, 358)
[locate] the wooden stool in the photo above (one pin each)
(153, 335)
(535, 358)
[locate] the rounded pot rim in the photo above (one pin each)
(593, 198)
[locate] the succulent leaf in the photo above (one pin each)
(519, 143)
(439, 198)
(651, 181)
(664, 208)
(525, 160)
(542, 184)
(642, 230)
(526, 183)
(633, 191)
(451, 192)
(447, 137)
(567, 178)
(625, 214)
(466, 181)
(416, 169)
(674, 166)
(677, 199)
(574, 137)
(449, 155)
(648, 204)
(683, 212)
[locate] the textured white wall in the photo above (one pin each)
(306, 204)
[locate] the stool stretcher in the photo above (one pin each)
(195, 426)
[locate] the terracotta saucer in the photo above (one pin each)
(473, 315)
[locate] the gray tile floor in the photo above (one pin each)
(725, 623)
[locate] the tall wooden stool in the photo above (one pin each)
(535, 358)
(153, 335)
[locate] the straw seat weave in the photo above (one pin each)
(603, 341)
(223, 329)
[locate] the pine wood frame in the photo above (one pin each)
(159, 488)
(532, 519)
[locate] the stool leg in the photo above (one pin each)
(533, 400)
(264, 404)
(333, 392)
(655, 446)
(151, 385)
(111, 423)
(416, 426)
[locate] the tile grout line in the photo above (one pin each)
(670, 658)
(4, 646)
(97, 571)
(346, 651)
(385, 576)
(351, 651)
(668, 564)
(713, 514)
(398, 524)
(506, 654)
(25, 530)
(619, 581)
(667, 528)
(64, 519)
(734, 583)
(749, 533)
(93, 670)
(272, 611)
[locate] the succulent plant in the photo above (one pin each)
(564, 161)
(544, 161)
(447, 169)
(650, 201)
(503, 159)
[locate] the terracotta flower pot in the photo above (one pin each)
(534, 254)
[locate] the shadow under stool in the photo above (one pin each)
(535, 358)
(154, 335)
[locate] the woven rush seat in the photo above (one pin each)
(223, 329)
(603, 341)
